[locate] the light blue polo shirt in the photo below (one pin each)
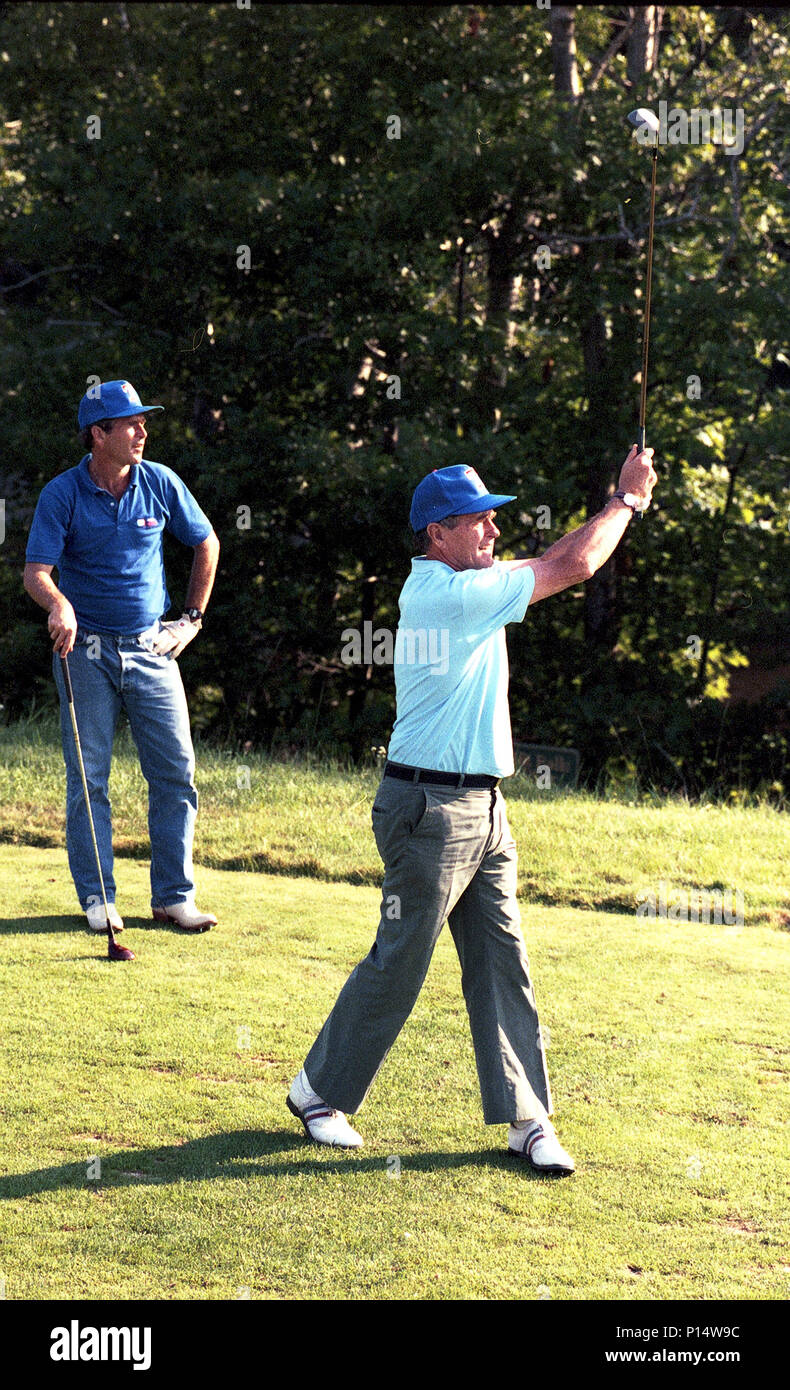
(109, 553)
(451, 667)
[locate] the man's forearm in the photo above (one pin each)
(575, 558)
(43, 590)
(201, 579)
(590, 545)
(596, 539)
(568, 541)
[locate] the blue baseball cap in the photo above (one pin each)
(453, 491)
(110, 401)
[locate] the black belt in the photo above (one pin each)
(439, 779)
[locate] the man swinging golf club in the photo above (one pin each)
(439, 818)
(102, 524)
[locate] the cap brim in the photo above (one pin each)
(488, 503)
(133, 410)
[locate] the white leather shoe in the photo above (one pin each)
(322, 1124)
(185, 916)
(539, 1145)
(97, 920)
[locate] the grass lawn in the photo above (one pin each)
(667, 1052)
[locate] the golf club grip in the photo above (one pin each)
(640, 444)
(67, 678)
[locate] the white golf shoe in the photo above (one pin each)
(322, 1124)
(186, 916)
(97, 920)
(536, 1141)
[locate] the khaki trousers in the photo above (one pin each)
(448, 856)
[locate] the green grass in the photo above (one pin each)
(313, 819)
(667, 1054)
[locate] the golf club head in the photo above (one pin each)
(116, 952)
(647, 125)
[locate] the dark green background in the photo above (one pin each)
(267, 128)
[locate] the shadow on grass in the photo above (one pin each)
(261, 862)
(125, 848)
(33, 839)
(531, 890)
(31, 926)
(239, 1154)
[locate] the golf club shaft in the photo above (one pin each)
(648, 296)
(78, 746)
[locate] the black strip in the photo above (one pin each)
(439, 779)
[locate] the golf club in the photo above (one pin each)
(644, 119)
(114, 951)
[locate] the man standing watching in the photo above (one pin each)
(102, 525)
(439, 818)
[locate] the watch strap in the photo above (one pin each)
(625, 497)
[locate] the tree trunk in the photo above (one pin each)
(563, 51)
(503, 243)
(643, 40)
(502, 288)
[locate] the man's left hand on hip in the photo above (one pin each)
(174, 636)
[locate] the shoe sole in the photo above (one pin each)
(321, 1142)
(103, 928)
(549, 1170)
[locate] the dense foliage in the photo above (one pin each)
(344, 245)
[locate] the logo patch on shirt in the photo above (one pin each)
(147, 521)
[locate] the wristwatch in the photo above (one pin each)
(631, 500)
(194, 614)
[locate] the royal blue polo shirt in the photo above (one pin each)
(109, 553)
(451, 666)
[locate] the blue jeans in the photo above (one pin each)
(108, 673)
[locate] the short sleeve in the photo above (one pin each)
(186, 521)
(50, 526)
(496, 596)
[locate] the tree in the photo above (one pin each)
(344, 245)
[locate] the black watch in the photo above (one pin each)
(194, 615)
